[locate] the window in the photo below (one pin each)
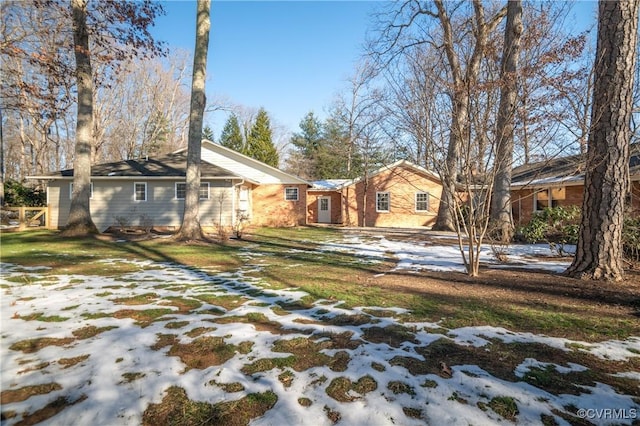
(382, 201)
(181, 190)
(71, 190)
(243, 199)
(291, 194)
(548, 197)
(422, 201)
(203, 193)
(140, 191)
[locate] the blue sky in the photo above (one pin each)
(289, 57)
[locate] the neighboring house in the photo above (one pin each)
(151, 191)
(560, 182)
(401, 194)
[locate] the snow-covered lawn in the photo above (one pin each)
(109, 374)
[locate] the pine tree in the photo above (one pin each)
(310, 138)
(207, 133)
(231, 136)
(259, 143)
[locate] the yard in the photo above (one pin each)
(309, 326)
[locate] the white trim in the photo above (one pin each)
(378, 194)
(135, 192)
(428, 201)
(208, 191)
(328, 210)
(286, 198)
(175, 192)
(71, 190)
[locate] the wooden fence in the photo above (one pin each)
(29, 217)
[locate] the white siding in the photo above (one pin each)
(245, 166)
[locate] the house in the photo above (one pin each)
(151, 191)
(560, 182)
(401, 194)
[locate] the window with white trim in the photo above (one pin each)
(140, 191)
(181, 191)
(71, 190)
(548, 197)
(291, 194)
(422, 201)
(382, 201)
(203, 193)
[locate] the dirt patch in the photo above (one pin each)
(24, 393)
(501, 359)
(393, 335)
(341, 388)
(203, 352)
(34, 345)
(523, 300)
(177, 409)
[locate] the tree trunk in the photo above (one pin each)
(80, 222)
(501, 197)
(191, 229)
(463, 83)
(599, 251)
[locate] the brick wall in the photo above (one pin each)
(312, 206)
(402, 184)
(269, 207)
(522, 202)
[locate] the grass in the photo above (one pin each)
(290, 260)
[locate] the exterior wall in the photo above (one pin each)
(522, 202)
(402, 184)
(269, 207)
(112, 204)
(312, 206)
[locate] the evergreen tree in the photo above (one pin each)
(259, 143)
(231, 136)
(207, 133)
(309, 140)
(307, 144)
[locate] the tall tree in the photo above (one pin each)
(190, 228)
(501, 199)
(599, 250)
(80, 222)
(463, 82)
(306, 144)
(259, 143)
(231, 136)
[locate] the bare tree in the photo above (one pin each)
(191, 229)
(599, 250)
(80, 222)
(501, 199)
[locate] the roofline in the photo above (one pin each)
(387, 167)
(252, 160)
(142, 177)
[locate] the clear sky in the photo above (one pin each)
(289, 57)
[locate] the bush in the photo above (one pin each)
(631, 238)
(554, 225)
(16, 194)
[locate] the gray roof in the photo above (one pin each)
(170, 165)
(565, 170)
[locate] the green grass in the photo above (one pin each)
(290, 259)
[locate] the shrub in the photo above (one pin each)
(554, 225)
(631, 238)
(17, 194)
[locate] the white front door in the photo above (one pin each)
(324, 209)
